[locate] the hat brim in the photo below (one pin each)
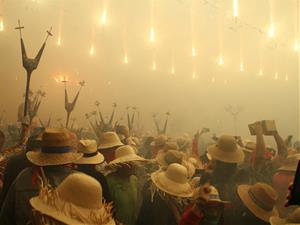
(127, 159)
(228, 157)
(52, 159)
(288, 168)
(110, 145)
(97, 159)
(257, 211)
(45, 209)
(162, 182)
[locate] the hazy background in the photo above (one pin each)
(179, 25)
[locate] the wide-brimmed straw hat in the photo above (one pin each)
(126, 154)
(292, 219)
(56, 149)
(109, 140)
(290, 163)
(159, 141)
(164, 158)
(249, 146)
(76, 201)
(226, 150)
(173, 181)
(260, 199)
(90, 153)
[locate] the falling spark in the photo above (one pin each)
(154, 66)
(125, 59)
(92, 50)
(260, 72)
(213, 80)
(1, 25)
(271, 32)
(193, 51)
(173, 70)
(152, 35)
(221, 60)
(56, 80)
(242, 67)
(286, 77)
(103, 19)
(59, 41)
(235, 8)
(296, 45)
(276, 76)
(194, 75)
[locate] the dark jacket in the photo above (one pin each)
(15, 164)
(16, 209)
(91, 171)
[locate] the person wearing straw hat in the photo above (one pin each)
(87, 164)
(281, 181)
(76, 201)
(123, 184)
(207, 208)
(226, 154)
(255, 204)
(158, 144)
(51, 164)
(165, 196)
(108, 143)
(292, 218)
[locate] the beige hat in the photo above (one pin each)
(211, 196)
(164, 158)
(249, 146)
(77, 200)
(126, 154)
(196, 163)
(260, 199)
(109, 140)
(90, 153)
(56, 149)
(226, 150)
(173, 181)
(292, 219)
(290, 163)
(159, 141)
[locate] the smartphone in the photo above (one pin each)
(269, 127)
(295, 192)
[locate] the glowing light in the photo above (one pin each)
(172, 70)
(235, 8)
(103, 19)
(286, 77)
(56, 80)
(125, 59)
(221, 60)
(271, 32)
(152, 35)
(242, 67)
(226, 82)
(193, 52)
(296, 45)
(213, 80)
(59, 41)
(153, 65)
(92, 50)
(276, 76)
(194, 75)
(1, 25)
(260, 72)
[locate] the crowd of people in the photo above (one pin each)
(56, 177)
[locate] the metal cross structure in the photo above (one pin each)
(234, 112)
(158, 129)
(30, 64)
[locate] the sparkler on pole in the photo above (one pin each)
(221, 60)
(1, 24)
(153, 65)
(157, 125)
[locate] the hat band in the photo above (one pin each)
(63, 149)
(259, 203)
(88, 155)
(214, 197)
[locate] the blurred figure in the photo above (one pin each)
(292, 218)
(108, 143)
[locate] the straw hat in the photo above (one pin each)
(183, 142)
(249, 146)
(196, 163)
(173, 181)
(210, 194)
(260, 199)
(77, 200)
(90, 153)
(159, 141)
(109, 140)
(126, 154)
(226, 150)
(290, 163)
(56, 149)
(292, 219)
(164, 158)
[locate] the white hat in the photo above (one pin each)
(173, 181)
(125, 154)
(77, 200)
(90, 153)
